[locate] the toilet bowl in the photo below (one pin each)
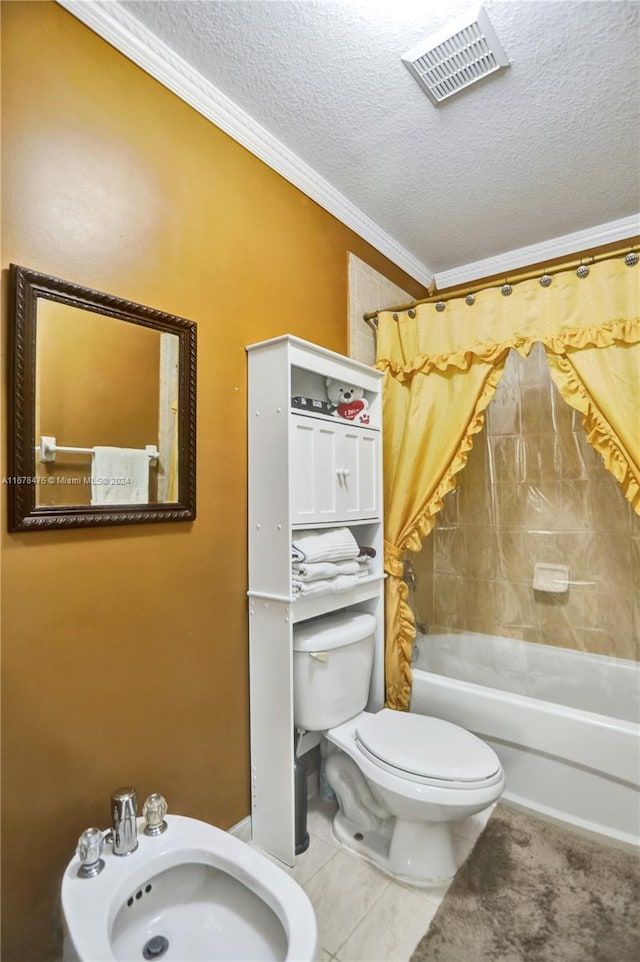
(401, 779)
(194, 892)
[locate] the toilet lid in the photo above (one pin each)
(426, 746)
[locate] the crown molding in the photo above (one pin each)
(615, 230)
(119, 28)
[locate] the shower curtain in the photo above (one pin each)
(442, 363)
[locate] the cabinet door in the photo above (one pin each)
(333, 472)
(357, 469)
(314, 486)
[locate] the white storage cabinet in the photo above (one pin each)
(333, 472)
(307, 469)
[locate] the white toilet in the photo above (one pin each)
(400, 779)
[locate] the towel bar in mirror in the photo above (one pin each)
(102, 412)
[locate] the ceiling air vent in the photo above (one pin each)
(460, 55)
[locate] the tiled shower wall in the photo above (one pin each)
(533, 490)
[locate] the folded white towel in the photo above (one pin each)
(312, 572)
(119, 476)
(332, 544)
(312, 587)
(342, 582)
(324, 585)
(323, 569)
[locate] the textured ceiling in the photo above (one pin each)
(546, 148)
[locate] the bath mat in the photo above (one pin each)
(532, 891)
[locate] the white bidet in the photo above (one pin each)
(194, 892)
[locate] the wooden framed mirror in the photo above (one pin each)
(102, 408)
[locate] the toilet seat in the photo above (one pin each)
(427, 750)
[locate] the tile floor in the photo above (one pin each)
(362, 914)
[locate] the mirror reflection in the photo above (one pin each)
(108, 389)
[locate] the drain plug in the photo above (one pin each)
(155, 947)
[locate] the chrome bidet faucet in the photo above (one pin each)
(124, 813)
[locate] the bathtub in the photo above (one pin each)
(565, 724)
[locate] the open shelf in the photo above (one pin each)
(312, 384)
(311, 606)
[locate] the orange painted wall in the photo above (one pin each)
(125, 649)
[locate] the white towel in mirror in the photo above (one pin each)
(119, 476)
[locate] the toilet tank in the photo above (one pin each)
(332, 662)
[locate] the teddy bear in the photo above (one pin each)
(349, 401)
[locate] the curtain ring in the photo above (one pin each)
(545, 280)
(395, 317)
(411, 312)
(582, 272)
(470, 300)
(506, 289)
(631, 259)
(440, 306)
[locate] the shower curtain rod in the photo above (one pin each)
(516, 277)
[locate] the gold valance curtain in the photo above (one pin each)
(441, 371)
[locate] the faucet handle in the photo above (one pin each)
(89, 851)
(154, 811)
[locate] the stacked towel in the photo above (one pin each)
(324, 569)
(312, 587)
(322, 585)
(342, 582)
(327, 560)
(331, 544)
